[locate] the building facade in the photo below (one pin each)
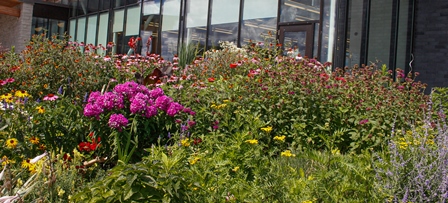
(405, 34)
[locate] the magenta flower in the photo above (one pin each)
(156, 93)
(93, 110)
(117, 121)
(151, 111)
(362, 122)
(163, 102)
(138, 103)
(174, 108)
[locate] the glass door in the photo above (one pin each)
(297, 39)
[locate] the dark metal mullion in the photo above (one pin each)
(123, 41)
(341, 34)
(394, 36)
(240, 21)
(209, 21)
(410, 37)
(365, 33)
(319, 38)
(139, 29)
(279, 7)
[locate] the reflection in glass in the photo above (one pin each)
(354, 33)
(402, 35)
(196, 24)
(150, 26)
(296, 41)
(72, 29)
(132, 27)
(82, 7)
(118, 31)
(81, 30)
(224, 22)
(91, 29)
(258, 19)
(93, 6)
(328, 29)
(102, 31)
(170, 27)
(299, 10)
(380, 32)
(119, 3)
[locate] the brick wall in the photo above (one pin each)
(431, 42)
(16, 31)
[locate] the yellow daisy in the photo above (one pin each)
(253, 141)
(267, 129)
(40, 109)
(185, 142)
(280, 138)
(11, 143)
(34, 140)
(21, 94)
(287, 153)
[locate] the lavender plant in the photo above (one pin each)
(416, 169)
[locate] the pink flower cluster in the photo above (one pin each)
(6, 81)
(133, 98)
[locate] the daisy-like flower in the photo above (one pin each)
(26, 164)
(40, 109)
(50, 97)
(287, 153)
(21, 94)
(11, 143)
(280, 138)
(267, 129)
(185, 142)
(34, 140)
(253, 141)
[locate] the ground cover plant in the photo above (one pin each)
(234, 125)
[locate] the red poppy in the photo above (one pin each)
(196, 141)
(233, 65)
(211, 79)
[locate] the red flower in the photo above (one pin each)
(341, 79)
(233, 65)
(196, 141)
(211, 79)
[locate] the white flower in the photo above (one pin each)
(37, 158)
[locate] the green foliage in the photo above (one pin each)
(187, 53)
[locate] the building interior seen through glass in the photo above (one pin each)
(204, 23)
(48, 26)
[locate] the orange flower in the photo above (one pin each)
(233, 65)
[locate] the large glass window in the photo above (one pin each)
(170, 27)
(196, 24)
(72, 29)
(150, 26)
(102, 30)
(328, 30)
(118, 31)
(402, 41)
(132, 26)
(299, 10)
(81, 30)
(379, 32)
(354, 33)
(91, 30)
(119, 3)
(224, 22)
(258, 19)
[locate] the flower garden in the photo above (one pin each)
(227, 125)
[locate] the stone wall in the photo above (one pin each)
(431, 42)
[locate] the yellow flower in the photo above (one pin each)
(226, 101)
(335, 151)
(267, 129)
(21, 94)
(11, 143)
(253, 141)
(40, 109)
(19, 182)
(214, 106)
(61, 192)
(280, 138)
(45, 86)
(287, 153)
(26, 164)
(6, 160)
(236, 169)
(9, 100)
(307, 201)
(194, 160)
(6, 96)
(403, 145)
(34, 140)
(430, 142)
(185, 142)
